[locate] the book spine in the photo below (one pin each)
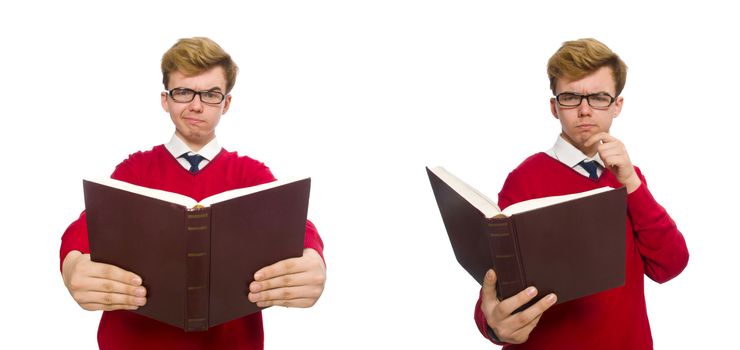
(505, 257)
(198, 235)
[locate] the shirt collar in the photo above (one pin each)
(570, 155)
(177, 147)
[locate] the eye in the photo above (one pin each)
(181, 92)
(569, 98)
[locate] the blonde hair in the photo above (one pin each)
(192, 56)
(579, 58)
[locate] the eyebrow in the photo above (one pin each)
(593, 93)
(215, 88)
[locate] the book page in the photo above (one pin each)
(485, 205)
(547, 201)
(239, 192)
(146, 191)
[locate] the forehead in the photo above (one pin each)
(601, 80)
(212, 78)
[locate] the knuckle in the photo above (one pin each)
(503, 333)
(266, 285)
(107, 272)
(107, 298)
(77, 296)
(286, 294)
(75, 284)
(320, 279)
(521, 318)
(287, 280)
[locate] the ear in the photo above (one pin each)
(227, 103)
(618, 106)
(163, 97)
(554, 107)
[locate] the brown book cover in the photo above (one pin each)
(571, 245)
(196, 260)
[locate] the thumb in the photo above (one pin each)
(489, 286)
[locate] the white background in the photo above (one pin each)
(361, 95)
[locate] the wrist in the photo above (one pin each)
(632, 183)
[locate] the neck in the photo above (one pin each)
(195, 143)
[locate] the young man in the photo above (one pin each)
(198, 76)
(586, 78)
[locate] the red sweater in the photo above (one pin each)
(158, 169)
(613, 319)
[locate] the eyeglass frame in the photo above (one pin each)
(196, 92)
(588, 99)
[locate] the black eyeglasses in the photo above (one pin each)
(185, 95)
(598, 100)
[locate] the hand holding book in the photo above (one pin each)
(507, 326)
(294, 282)
(98, 286)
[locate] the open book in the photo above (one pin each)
(572, 245)
(195, 259)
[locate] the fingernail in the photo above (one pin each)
(140, 292)
(255, 287)
(136, 281)
(140, 301)
(258, 276)
(551, 299)
(531, 291)
(252, 297)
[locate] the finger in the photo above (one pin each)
(280, 268)
(80, 284)
(306, 302)
(287, 293)
(110, 272)
(507, 306)
(602, 136)
(109, 299)
(522, 334)
(489, 284)
(521, 319)
(614, 156)
(289, 280)
(106, 307)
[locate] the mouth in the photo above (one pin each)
(585, 127)
(193, 121)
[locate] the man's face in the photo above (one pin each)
(195, 121)
(581, 122)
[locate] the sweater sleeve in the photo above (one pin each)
(661, 244)
(74, 238)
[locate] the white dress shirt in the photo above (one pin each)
(177, 147)
(571, 156)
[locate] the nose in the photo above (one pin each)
(584, 109)
(196, 105)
